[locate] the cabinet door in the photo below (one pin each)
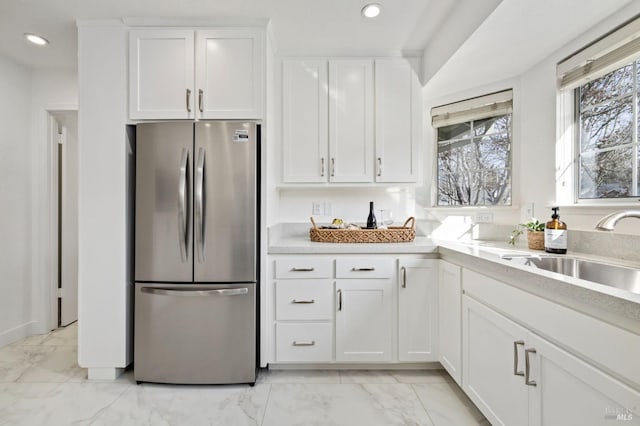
(450, 319)
(161, 74)
(570, 391)
(229, 73)
(417, 310)
(364, 320)
(491, 355)
(305, 120)
(351, 120)
(397, 118)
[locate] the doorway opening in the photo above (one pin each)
(63, 131)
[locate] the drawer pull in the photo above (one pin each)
(515, 358)
(303, 301)
(527, 380)
(302, 269)
(304, 343)
(404, 277)
(370, 268)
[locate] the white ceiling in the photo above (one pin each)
(298, 25)
(518, 35)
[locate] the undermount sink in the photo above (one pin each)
(602, 273)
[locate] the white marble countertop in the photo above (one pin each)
(295, 240)
(495, 252)
(298, 245)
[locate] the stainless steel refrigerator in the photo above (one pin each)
(196, 250)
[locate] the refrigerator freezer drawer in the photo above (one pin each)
(197, 334)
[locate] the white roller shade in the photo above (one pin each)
(494, 104)
(612, 51)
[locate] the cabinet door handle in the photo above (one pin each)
(303, 301)
(322, 167)
(302, 269)
(379, 166)
(404, 277)
(200, 96)
(304, 343)
(370, 268)
(188, 100)
(527, 380)
(515, 358)
(339, 300)
(333, 166)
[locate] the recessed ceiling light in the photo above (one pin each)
(371, 10)
(36, 39)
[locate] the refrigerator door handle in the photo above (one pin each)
(182, 207)
(197, 293)
(199, 205)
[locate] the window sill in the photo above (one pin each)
(595, 208)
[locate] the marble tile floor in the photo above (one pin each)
(41, 384)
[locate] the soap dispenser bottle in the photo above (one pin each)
(555, 234)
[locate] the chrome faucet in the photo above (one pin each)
(608, 223)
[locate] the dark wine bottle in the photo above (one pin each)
(371, 220)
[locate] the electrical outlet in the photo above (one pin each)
(317, 208)
(529, 211)
(484, 217)
(327, 209)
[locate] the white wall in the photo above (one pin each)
(51, 90)
(534, 145)
(15, 190)
(349, 204)
(104, 316)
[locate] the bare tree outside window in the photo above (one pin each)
(607, 115)
(474, 162)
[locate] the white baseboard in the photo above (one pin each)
(16, 333)
(104, 373)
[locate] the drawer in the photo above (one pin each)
(365, 268)
(304, 342)
(304, 300)
(305, 267)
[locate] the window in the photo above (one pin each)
(474, 151)
(607, 119)
(600, 84)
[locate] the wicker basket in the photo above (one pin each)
(394, 234)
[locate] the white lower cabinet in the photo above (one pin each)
(450, 319)
(569, 391)
(354, 309)
(417, 310)
(516, 377)
(303, 300)
(364, 319)
(492, 357)
(304, 342)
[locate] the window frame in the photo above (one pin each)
(612, 51)
(502, 101)
(635, 168)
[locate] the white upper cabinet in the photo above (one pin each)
(229, 73)
(348, 121)
(209, 74)
(305, 120)
(397, 129)
(351, 120)
(161, 78)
